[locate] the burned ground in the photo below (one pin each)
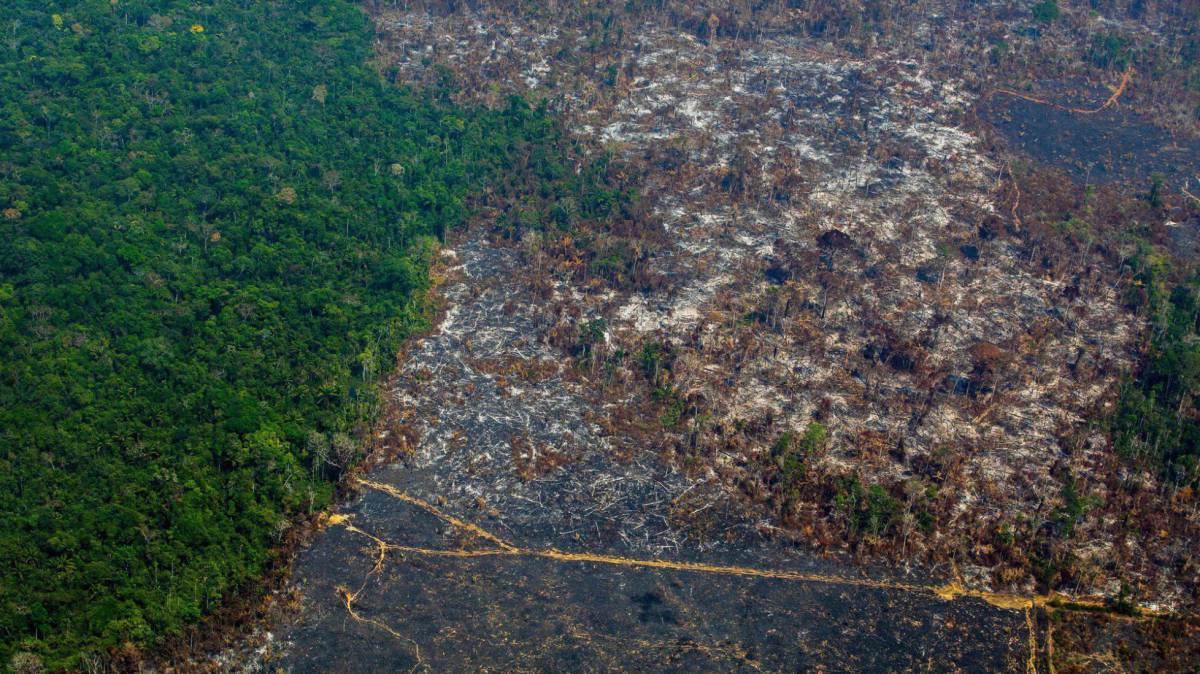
(393, 585)
(844, 241)
(1113, 145)
(872, 326)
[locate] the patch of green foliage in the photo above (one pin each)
(1075, 506)
(791, 450)
(591, 333)
(1108, 51)
(1156, 421)
(216, 219)
(1046, 11)
(814, 438)
(614, 261)
(872, 510)
(655, 359)
(1154, 194)
(560, 200)
(1000, 49)
(674, 405)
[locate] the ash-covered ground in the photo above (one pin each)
(838, 239)
(391, 586)
(844, 246)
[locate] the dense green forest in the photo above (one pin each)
(216, 222)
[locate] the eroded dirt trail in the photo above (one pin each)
(470, 555)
